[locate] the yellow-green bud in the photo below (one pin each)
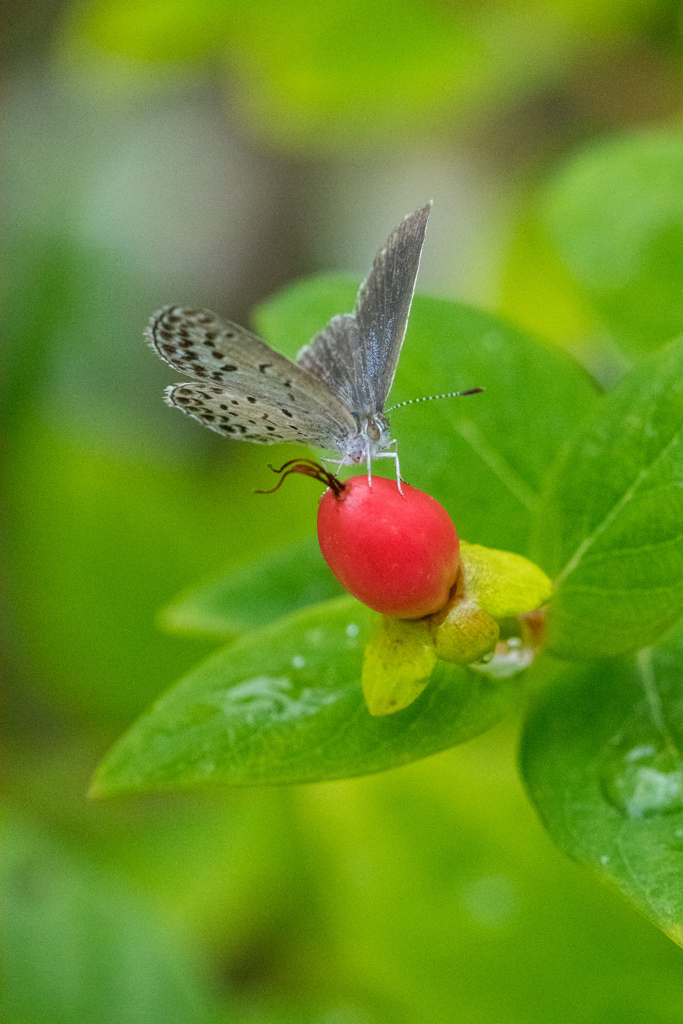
(466, 634)
(399, 659)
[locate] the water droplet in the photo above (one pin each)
(507, 660)
(298, 661)
(352, 629)
(642, 779)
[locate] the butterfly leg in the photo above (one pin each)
(392, 455)
(335, 462)
(368, 458)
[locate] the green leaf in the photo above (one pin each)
(601, 756)
(290, 318)
(284, 705)
(615, 214)
(610, 531)
(484, 457)
(257, 593)
(79, 947)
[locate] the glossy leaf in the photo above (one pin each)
(610, 530)
(484, 457)
(285, 705)
(257, 593)
(615, 214)
(602, 759)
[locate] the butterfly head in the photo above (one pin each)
(372, 437)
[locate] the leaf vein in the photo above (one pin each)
(601, 556)
(581, 588)
(616, 508)
(498, 465)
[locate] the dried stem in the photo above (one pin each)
(307, 467)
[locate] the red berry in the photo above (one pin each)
(397, 553)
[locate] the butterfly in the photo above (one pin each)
(333, 396)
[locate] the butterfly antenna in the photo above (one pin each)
(433, 398)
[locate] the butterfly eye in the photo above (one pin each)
(372, 431)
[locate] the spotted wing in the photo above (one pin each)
(271, 399)
(356, 355)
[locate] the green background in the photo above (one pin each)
(210, 153)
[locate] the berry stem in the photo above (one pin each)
(307, 467)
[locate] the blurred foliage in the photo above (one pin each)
(263, 591)
(429, 892)
(312, 74)
(80, 948)
(616, 216)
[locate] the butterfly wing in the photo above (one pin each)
(356, 355)
(384, 301)
(335, 357)
(243, 384)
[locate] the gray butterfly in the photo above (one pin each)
(333, 396)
